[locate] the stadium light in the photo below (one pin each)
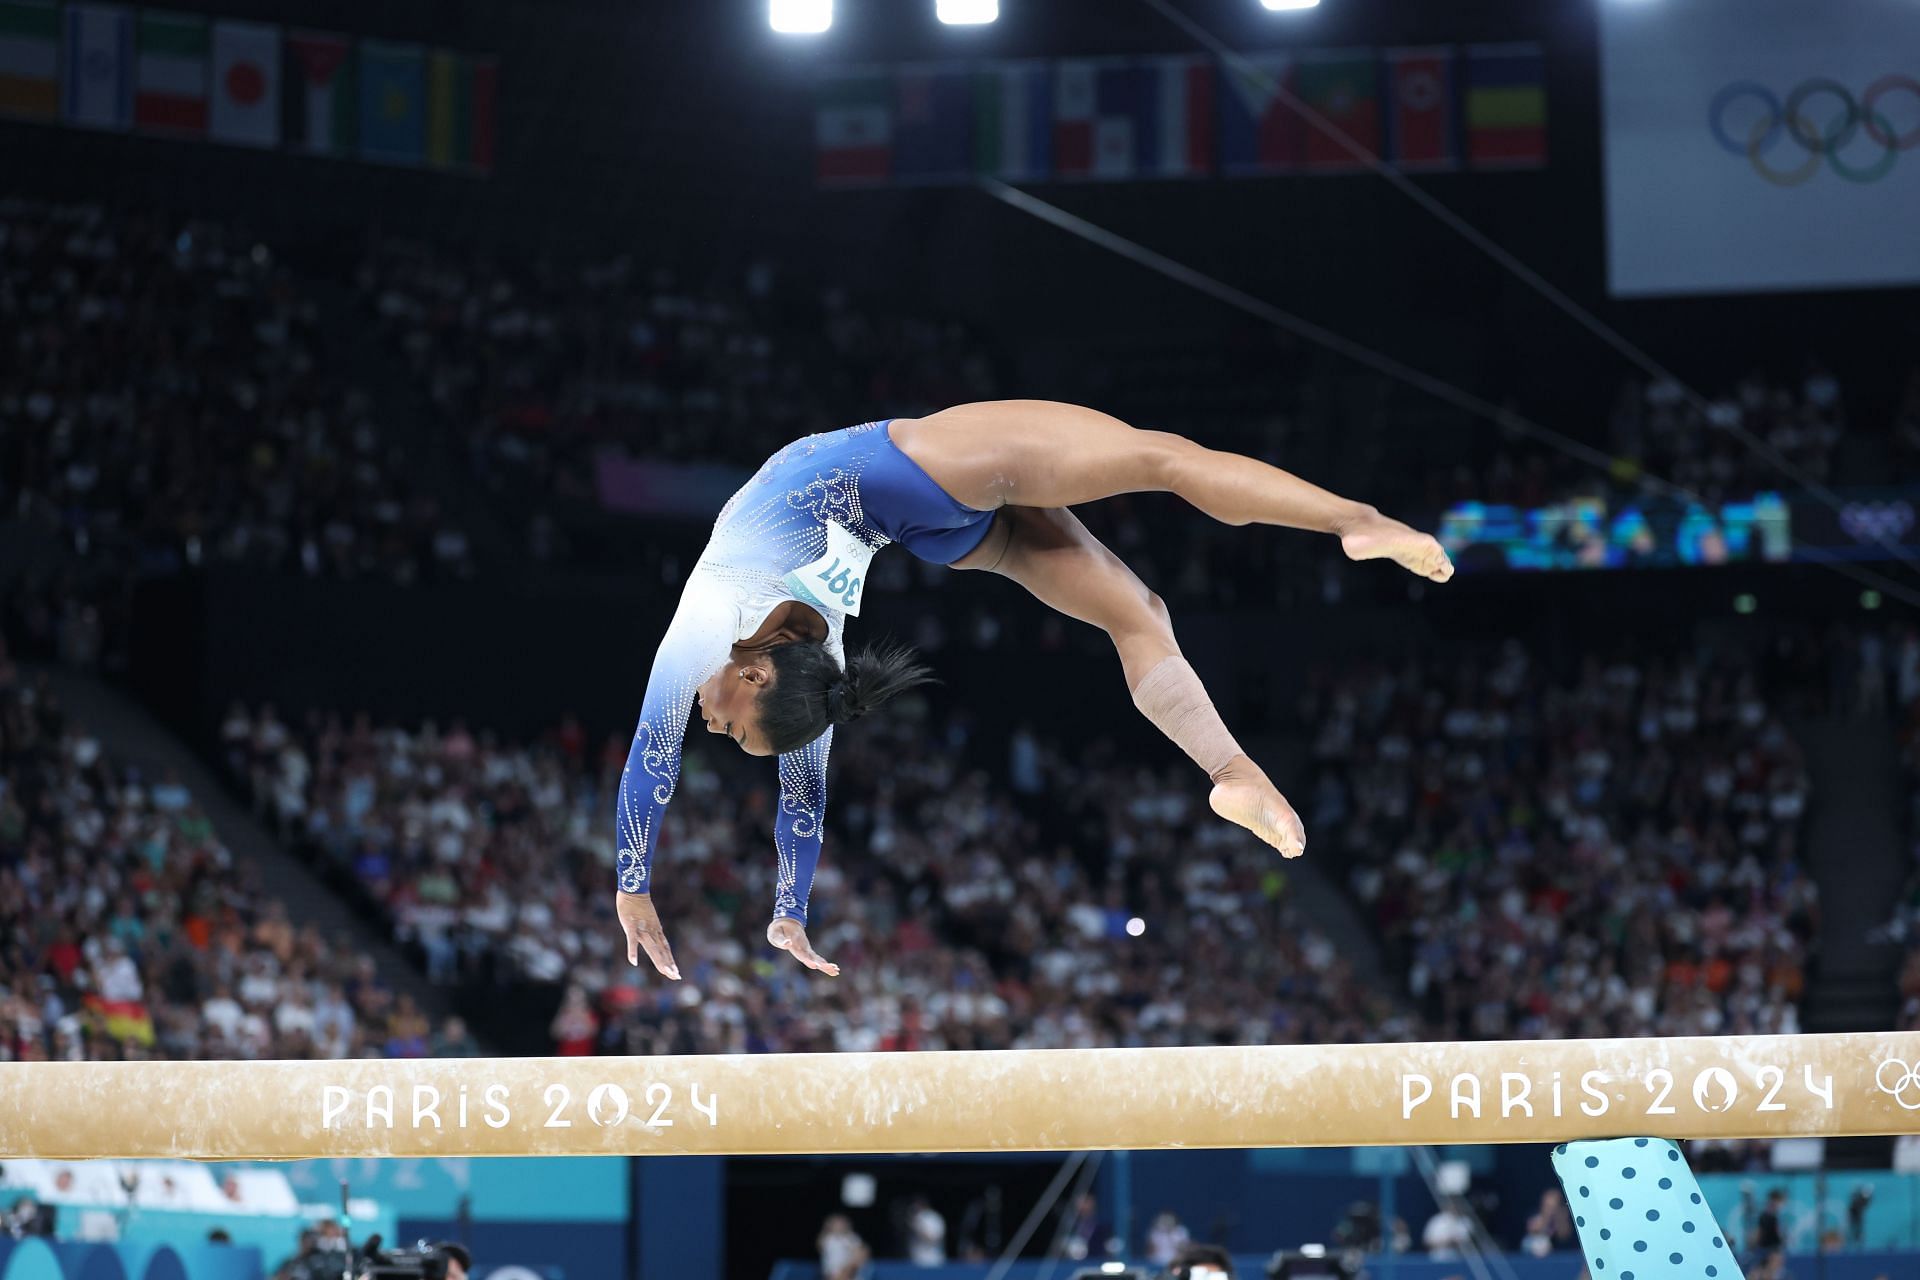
(1277, 6)
(800, 17)
(966, 13)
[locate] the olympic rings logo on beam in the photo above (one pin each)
(1793, 120)
(1903, 1086)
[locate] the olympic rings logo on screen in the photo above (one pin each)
(1819, 118)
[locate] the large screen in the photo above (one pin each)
(1599, 533)
(1759, 145)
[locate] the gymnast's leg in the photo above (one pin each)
(1036, 453)
(1051, 554)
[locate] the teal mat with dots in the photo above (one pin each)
(1640, 1214)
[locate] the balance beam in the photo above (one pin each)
(1014, 1100)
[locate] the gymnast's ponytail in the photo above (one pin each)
(810, 692)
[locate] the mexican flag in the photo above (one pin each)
(853, 129)
(170, 74)
(246, 84)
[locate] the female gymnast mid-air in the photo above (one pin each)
(757, 638)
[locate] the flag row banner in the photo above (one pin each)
(248, 84)
(1426, 109)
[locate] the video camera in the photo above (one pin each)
(1309, 1260)
(422, 1262)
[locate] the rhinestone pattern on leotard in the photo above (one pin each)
(775, 523)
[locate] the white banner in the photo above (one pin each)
(246, 84)
(97, 86)
(1761, 144)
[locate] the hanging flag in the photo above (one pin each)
(29, 59)
(1013, 121)
(1103, 124)
(853, 128)
(460, 94)
(1506, 106)
(1342, 88)
(246, 84)
(932, 124)
(393, 102)
(1258, 133)
(97, 90)
(170, 74)
(321, 99)
(1420, 116)
(1182, 118)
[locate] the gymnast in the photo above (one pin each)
(757, 638)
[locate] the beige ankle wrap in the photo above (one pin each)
(1172, 696)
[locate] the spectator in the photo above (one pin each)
(1083, 1228)
(1550, 1227)
(926, 1234)
(1165, 1239)
(843, 1255)
(454, 1041)
(1448, 1232)
(1768, 1235)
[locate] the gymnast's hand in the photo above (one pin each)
(642, 925)
(791, 935)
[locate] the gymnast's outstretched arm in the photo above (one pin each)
(796, 842)
(1050, 553)
(695, 646)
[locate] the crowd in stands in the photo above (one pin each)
(171, 394)
(1610, 850)
(129, 930)
(1887, 681)
(1766, 432)
(177, 394)
(976, 895)
(540, 367)
(1709, 447)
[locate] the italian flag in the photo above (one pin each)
(1013, 121)
(853, 129)
(29, 60)
(170, 73)
(320, 96)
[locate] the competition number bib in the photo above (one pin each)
(836, 579)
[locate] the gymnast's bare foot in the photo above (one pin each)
(1243, 795)
(1377, 537)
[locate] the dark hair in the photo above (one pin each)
(810, 692)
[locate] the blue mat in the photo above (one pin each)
(1640, 1213)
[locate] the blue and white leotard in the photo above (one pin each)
(775, 525)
